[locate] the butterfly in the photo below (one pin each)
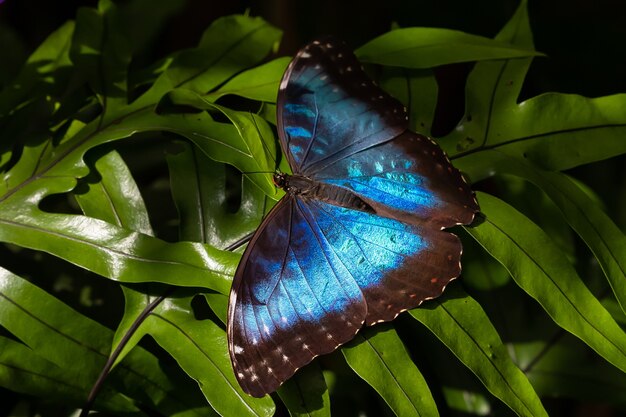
(358, 236)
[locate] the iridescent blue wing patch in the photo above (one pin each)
(314, 274)
(329, 109)
(408, 178)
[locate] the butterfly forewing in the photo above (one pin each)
(408, 178)
(328, 109)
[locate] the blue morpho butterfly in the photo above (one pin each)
(357, 238)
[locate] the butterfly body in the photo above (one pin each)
(358, 237)
(303, 187)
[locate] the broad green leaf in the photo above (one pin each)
(236, 143)
(30, 100)
(230, 45)
(201, 349)
(417, 90)
(204, 191)
(220, 58)
(119, 253)
(378, 356)
(565, 369)
(615, 309)
(22, 370)
(101, 53)
(481, 272)
(462, 325)
(306, 393)
(255, 138)
(259, 83)
(532, 202)
(542, 270)
(111, 194)
(268, 113)
(600, 233)
(467, 402)
(40, 72)
(62, 336)
(552, 130)
(421, 47)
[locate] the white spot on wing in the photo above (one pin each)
(305, 55)
(238, 349)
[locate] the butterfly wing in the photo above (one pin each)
(328, 108)
(312, 275)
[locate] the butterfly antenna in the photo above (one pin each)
(239, 243)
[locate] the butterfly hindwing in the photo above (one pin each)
(395, 264)
(329, 109)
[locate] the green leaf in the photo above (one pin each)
(119, 253)
(259, 83)
(462, 325)
(230, 45)
(204, 191)
(101, 53)
(591, 380)
(201, 349)
(62, 336)
(110, 193)
(542, 270)
(417, 90)
(600, 233)
(551, 130)
(306, 393)
(41, 71)
(22, 370)
(251, 148)
(378, 356)
(421, 47)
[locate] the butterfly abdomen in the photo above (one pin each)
(304, 187)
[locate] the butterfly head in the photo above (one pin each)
(281, 180)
